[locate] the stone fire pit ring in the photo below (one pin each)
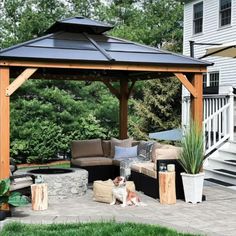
(63, 182)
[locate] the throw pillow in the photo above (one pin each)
(145, 151)
(120, 143)
(125, 152)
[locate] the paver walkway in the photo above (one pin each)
(216, 216)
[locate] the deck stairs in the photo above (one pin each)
(220, 166)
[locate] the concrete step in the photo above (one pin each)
(215, 162)
(218, 182)
(228, 147)
(221, 175)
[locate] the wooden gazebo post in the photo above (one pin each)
(197, 102)
(123, 121)
(4, 124)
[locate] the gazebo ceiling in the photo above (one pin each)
(81, 40)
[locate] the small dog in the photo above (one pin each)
(121, 193)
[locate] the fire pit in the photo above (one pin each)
(63, 183)
(50, 171)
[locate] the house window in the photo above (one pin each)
(225, 12)
(214, 79)
(211, 82)
(197, 17)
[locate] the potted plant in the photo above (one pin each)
(9, 198)
(191, 159)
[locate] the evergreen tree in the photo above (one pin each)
(157, 108)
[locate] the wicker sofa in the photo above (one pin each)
(96, 156)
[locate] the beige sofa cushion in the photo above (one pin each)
(102, 190)
(87, 148)
(116, 162)
(92, 161)
(156, 146)
(106, 146)
(137, 167)
(120, 143)
(148, 169)
(169, 153)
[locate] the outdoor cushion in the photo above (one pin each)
(136, 167)
(106, 146)
(120, 143)
(116, 162)
(92, 161)
(102, 190)
(170, 153)
(87, 148)
(148, 169)
(125, 152)
(155, 146)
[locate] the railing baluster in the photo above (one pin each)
(216, 124)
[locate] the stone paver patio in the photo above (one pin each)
(216, 216)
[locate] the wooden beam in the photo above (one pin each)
(123, 109)
(19, 80)
(106, 66)
(183, 79)
(197, 102)
(131, 88)
(4, 124)
(113, 90)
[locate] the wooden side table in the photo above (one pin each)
(39, 194)
(167, 187)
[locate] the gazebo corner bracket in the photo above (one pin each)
(25, 75)
(113, 90)
(187, 84)
(131, 88)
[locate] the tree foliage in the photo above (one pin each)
(47, 115)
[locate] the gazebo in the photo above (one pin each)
(78, 49)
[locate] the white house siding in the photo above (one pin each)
(212, 33)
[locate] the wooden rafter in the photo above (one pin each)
(19, 80)
(113, 90)
(107, 66)
(183, 79)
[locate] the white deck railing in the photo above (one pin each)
(218, 123)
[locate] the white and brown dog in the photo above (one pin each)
(122, 194)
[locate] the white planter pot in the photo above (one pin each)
(193, 186)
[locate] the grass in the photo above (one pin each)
(65, 164)
(88, 229)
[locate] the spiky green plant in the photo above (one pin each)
(192, 155)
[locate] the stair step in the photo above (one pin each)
(233, 161)
(216, 181)
(226, 171)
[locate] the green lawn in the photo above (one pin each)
(88, 229)
(59, 165)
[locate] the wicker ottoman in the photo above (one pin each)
(102, 190)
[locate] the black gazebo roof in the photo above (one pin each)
(83, 40)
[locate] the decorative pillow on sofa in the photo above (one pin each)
(145, 150)
(122, 153)
(120, 143)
